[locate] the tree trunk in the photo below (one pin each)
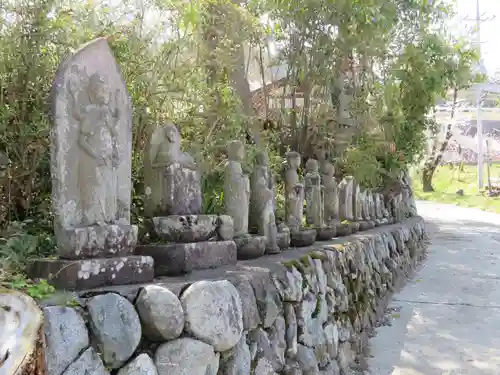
(22, 337)
(436, 156)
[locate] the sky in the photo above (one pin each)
(490, 30)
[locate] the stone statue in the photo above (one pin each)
(236, 188)
(294, 192)
(357, 203)
(346, 199)
(313, 194)
(330, 189)
(95, 112)
(91, 166)
(171, 179)
(262, 203)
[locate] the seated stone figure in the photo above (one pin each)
(185, 239)
(173, 183)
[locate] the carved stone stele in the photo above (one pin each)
(91, 167)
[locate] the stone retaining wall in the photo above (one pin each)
(304, 311)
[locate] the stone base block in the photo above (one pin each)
(366, 224)
(179, 258)
(93, 273)
(302, 238)
(283, 240)
(344, 230)
(326, 233)
(250, 246)
(193, 228)
(354, 227)
(102, 241)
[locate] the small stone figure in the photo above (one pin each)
(262, 217)
(357, 203)
(346, 199)
(172, 181)
(185, 240)
(294, 191)
(313, 194)
(330, 189)
(236, 188)
(294, 204)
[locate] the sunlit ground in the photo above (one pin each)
(448, 181)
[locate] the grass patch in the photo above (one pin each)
(448, 181)
(18, 244)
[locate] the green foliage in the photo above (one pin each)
(191, 64)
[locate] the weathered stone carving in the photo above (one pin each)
(294, 191)
(236, 188)
(173, 191)
(313, 194)
(172, 181)
(91, 175)
(237, 203)
(357, 203)
(330, 192)
(262, 203)
(95, 110)
(294, 203)
(346, 198)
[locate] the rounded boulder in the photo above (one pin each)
(161, 313)
(213, 313)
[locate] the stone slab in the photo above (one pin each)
(180, 258)
(343, 230)
(250, 246)
(192, 228)
(93, 273)
(305, 237)
(326, 233)
(97, 241)
(366, 225)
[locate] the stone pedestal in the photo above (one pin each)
(94, 256)
(193, 242)
(250, 246)
(303, 237)
(180, 258)
(326, 233)
(283, 239)
(94, 272)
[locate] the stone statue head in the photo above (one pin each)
(262, 158)
(328, 169)
(98, 89)
(321, 154)
(235, 151)
(172, 134)
(293, 159)
(312, 165)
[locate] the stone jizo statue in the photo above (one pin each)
(313, 194)
(172, 181)
(262, 206)
(330, 191)
(236, 188)
(294, 192)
